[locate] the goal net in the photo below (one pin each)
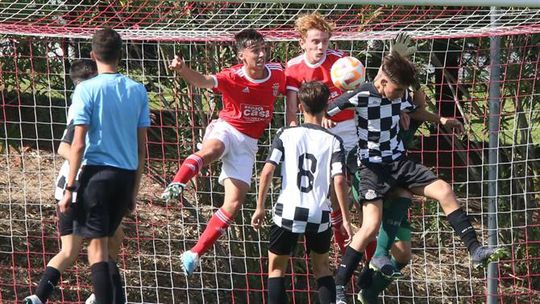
(39, 40)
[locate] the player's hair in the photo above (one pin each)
(246, 38)
(82, 69)
(107, 46)
(399, 69)
(314, 96)
(313, 21)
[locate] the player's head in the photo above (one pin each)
(82, 69)
(107, 46)
(313, 97)
(315, 33)
(251, 48)
(396, 74)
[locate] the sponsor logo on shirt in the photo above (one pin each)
(255, 112)
(245, 90)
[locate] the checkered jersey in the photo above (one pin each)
(377, 122)
(61, 180)
(311, 156)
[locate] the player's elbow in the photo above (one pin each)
(340, 182)
(63, 150)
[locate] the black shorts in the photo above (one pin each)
(283, 241)
(103, 198)
(376, 179)
(65, 220)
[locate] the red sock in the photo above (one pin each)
(189, 168)
(337, 223)
(370, 251)
(216, 226)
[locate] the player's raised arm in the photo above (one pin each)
(348, 100)
(264, 184)
(191, 76)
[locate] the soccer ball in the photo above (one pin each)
(348, 73)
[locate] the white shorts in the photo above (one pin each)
(346, 130)
(240, 151)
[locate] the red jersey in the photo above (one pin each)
(299, 71)
(248, 104)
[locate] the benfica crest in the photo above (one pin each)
(275, 89)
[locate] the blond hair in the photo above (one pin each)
(313, 21)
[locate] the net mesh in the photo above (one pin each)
(35, 92)
(189, 21)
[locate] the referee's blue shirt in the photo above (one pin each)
(113, 106)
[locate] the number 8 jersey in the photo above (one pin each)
(310, 157)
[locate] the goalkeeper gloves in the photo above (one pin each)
(173, 191)
(400, 44)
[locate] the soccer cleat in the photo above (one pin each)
(33, 299)
(365, 278)
(385, 267)
(173, 191)
(484, 255)
(341, 297)
(189, 262)
(91, 300)
(366, 298)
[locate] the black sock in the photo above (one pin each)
(346, 268)
(118, 288)
(48, 281)
(101, 279)
(462, 226)
(327, 290)
(276, 291)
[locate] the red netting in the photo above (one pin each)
(34, 93)
(202, 21)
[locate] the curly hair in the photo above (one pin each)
(313, 21)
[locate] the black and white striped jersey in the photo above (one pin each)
(377, 122)
(310, 156)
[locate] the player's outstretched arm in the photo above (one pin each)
(264, 184)
(422, 114)
(340, 185)
(347, 100)
(191, 76)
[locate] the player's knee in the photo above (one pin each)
(211, 151)
(402, 257)
(368, 232)
(445, 193)
(232, 207)
(69, 253)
